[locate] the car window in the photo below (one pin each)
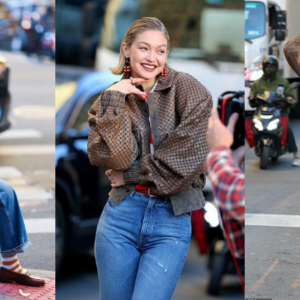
(63, 95)
(82, 118)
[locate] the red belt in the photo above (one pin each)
(151, 194)
(147, 192)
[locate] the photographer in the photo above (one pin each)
(228, 180)
(269, 82)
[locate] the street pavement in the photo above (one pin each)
(273, 227)
(27, 155)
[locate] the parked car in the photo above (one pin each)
(81, 189)
(4, 95)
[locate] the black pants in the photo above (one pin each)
(291, 140)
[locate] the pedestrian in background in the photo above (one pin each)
(149, 130)
(270, 82)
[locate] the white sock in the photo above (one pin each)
(12, 264)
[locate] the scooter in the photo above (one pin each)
(269, 127)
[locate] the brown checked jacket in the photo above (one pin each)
(119, 139)
(292, 54)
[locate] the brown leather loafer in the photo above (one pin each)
(8, 276)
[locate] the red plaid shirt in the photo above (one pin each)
(228, 182)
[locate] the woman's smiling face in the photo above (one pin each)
(147, 54)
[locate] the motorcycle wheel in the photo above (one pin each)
(217, 271)
(264, 158)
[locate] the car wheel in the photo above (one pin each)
(60, 235)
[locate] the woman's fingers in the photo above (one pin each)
(115, 185)
(140, 94)
(116, 178)
(137, 80)
(108, 173)
(126, 86)
(136, 91)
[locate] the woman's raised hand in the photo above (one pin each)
(126, 86)
(116, 177)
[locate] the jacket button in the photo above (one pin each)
(153, 118)
(155, 136)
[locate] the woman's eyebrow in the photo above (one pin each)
(150, 45)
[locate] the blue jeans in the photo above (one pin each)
(140, 248)
(13, 235)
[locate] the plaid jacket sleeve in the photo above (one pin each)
(228, 182)
(292, 54)
(111, 143)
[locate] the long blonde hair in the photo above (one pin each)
(137, 27)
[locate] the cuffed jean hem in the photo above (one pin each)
(19, 249)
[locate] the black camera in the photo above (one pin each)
(233, 102)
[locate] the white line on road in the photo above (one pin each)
(27, 149)
(34, 194)
(46, 225)
(9, 172)
(35, 112)
(20, 134)
(272, 220)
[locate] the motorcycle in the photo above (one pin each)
(269, 127)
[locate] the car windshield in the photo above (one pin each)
(254, 20)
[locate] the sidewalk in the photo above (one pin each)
(10, 291)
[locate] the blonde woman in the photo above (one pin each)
(149, 130)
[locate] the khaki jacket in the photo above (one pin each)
(119, 139)
(292, 54)
(266, 84)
